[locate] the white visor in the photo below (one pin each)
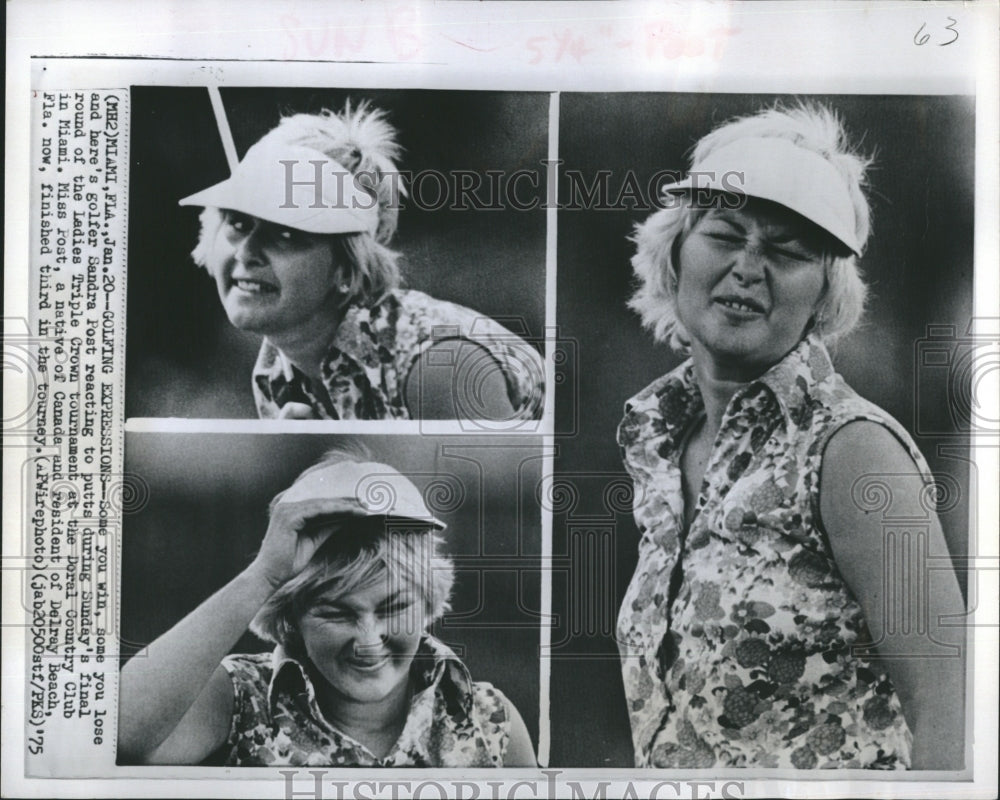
(294, 186)
(367, 489)
(782, 172)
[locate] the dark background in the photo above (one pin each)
(920, 269)
(199, 511)
(184, 359)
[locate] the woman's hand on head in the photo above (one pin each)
(290, 542)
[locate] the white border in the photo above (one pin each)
(824, 47)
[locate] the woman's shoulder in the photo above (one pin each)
(677, 380)
(416, 306)
(504, 727)
(492, 715)
(440, 319)
(869, 427)
(490, 702)
(450, 335)
(660, 410)
(818, 401)
(250, 671)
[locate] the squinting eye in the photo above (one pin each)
(794, 255)
(330, 615)
(728, 238)
(397, 608)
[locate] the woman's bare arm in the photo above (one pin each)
(928, 676)
(520, 752)
(457, 379)
(161, 684)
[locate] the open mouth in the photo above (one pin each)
(254, 287)
(744, 305)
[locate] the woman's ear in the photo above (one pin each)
(820, 306)
(432, 614)
(820, 309)
(674, 267)
(342, 290)
(287, 633)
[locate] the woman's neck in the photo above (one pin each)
(376, 724)
(306, 345)
(717, 388)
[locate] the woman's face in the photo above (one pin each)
(272, 280)
(749, 282)
(363, 644)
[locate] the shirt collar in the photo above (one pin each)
(367, 332)
(671, 403)
(666, 407)
(793, 380)
(365, 335)
(434, 666)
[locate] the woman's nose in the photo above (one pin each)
(371, 631)
(750, 264)
(248, 248)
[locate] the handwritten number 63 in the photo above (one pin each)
(920, 38)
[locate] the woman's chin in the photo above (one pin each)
(370, 689)
(251, 320)
(741, 360)
(367, 682)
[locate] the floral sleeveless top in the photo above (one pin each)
(453, 721)
(736, 639)
(367, 364)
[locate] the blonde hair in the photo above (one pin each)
(363, 552)
(362, 140)
(659, 238)
(367, 552)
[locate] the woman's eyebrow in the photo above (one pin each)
(787, 235)
(330, 605)
(721, 216)
(403, 595)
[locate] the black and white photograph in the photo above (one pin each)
(372, 254)
(331, 601)
(791, 467)
(501, 400)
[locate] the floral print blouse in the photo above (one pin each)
(367, 364)
(453, 721)
(736, 639)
